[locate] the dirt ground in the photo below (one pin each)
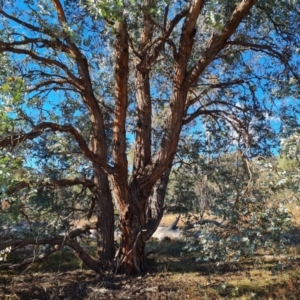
(83, 284)
(172, 274)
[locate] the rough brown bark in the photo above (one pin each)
(142, 154)
(97, 146)
(105, 218)
(132, 198)
(218, 41)
(131, 256)
(175, 114)
(139, 222)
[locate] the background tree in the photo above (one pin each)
(174, 60)
(243, 214)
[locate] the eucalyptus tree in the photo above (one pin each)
(246, 216)
(101, 74)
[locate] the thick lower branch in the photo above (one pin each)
(68, 240)
(36, 258)
(57, 240)
(53, 183)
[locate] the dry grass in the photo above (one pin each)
(83, 221)
(165, 281)
(173, 274)
(295, 212)
(166, 221)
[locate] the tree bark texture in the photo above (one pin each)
(131, 257)
(105, 218)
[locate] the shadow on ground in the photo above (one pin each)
(172, 274)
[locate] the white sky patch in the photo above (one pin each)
(271, 118)
(242, 135)
(239, 105)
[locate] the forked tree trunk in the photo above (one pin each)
(148, 168)
(131, 256)
(138, 221)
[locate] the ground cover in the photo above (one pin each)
(172, 274)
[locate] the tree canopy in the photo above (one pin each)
(86, 83)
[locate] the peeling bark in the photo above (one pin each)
(131, 257)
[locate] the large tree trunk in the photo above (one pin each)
(105, 218)
(131, 256)
(139, 219)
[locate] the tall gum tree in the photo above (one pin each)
(120, 64)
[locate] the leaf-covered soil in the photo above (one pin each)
(172, 275)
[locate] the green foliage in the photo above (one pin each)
(250, 218)
(110, 10)
(247, 197)
(290, 152)
(13, 89)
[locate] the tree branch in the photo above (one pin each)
(60, 82)
(200, 112)
(35, 259)
(268, 49)
(161, 41)
(39, 130)
(47, 61)
(257, 47)
(61, 14)
(52, 183)
(54, 44)
(143, 95)
(176, 111)
(67, 240)
(121, 94)
(212, 86)
(25, 24)
(218, 41)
